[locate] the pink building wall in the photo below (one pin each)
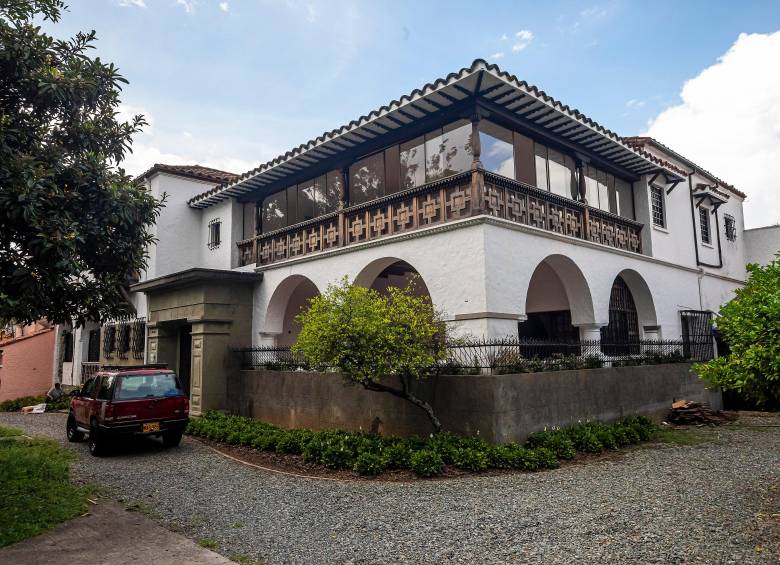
(27, 363)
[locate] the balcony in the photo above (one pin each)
(465, 195)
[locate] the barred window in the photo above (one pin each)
(214, 233)
(704, 225)
(658, 206)
(123, 339)
(731, 227)
(138, 338)
(109, 340)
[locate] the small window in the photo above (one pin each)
(704, 225)
(731, 227)
(658, 206)
(67, 347)
(109, 340)
(214, 233)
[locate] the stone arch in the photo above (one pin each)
(391, 271)
(558, 285)
(643, 298)
(288, 299)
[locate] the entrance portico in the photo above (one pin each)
(195, 317)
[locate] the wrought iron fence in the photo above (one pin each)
(513, 355)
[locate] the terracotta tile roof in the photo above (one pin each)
(642, 141)
(542, 110)
(197, 172)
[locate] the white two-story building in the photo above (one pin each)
(521, 216)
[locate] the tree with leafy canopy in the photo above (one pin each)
(74, 227)
(371, 337)
(751, 327)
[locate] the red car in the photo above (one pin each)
(129, 401)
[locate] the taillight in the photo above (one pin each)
(109, 413)
(186, 405)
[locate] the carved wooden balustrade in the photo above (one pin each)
(457, 197)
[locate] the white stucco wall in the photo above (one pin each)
(762, 244)
(225, 256)
(483, 271)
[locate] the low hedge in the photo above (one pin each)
(17, 404)
(369, 454)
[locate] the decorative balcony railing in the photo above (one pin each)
(457, 197)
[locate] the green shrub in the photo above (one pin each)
(398, 456)
(503, 456)
(17, 404)
(368, 463)
(545, 458)
(426, 463)
(556, 441)
(470, 459)
(605, 436)
(584, 439)
(337, 457)
(642, 425)
(293, 441)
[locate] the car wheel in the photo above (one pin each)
(96, 444)
(72, 431)
(172, 439)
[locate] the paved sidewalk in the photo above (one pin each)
(109, 534)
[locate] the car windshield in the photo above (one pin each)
(146, 386)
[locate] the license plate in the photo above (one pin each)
(151, 427)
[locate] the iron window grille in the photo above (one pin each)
(122, 339)
(731, 227)
(215, 238)
(658, 206)
(704, 225)
(109, 340)
(138, 338)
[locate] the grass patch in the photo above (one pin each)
(9, 432)
(17, 404)
(245, 559)
(371, 454)
(677, 436)
(35, 489)
(208, 543)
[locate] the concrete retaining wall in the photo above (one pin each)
(499, 408)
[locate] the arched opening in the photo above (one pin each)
(384, 273)
(557, 301)
(621, 335)
(288, 300)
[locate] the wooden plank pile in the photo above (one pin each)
(690, 412)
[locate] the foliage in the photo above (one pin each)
(35, 488)
(368, 463)
(17, 404)
(75, 226)
(370, 454)
(368, 336)
(751, 326)
(426, 463)
(556, 441)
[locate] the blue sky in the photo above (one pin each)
(233, 83)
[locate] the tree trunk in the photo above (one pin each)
(406, 395)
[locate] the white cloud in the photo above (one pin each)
(504, 37)
(188, 5)
(131, 3)
(729, 122)
(593, 12)
(635, 103)
(311, 13)
(523, 39)
(499, 55)
(224, 6)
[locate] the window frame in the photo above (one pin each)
(215, 233)
(662, 206)
(704, 220)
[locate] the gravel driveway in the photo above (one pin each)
(716, 502)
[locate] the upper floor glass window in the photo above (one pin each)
(367, 179)
(412, 159)
(448, 150)
(496, 149)
(704, 225)
(658, 206)
(215, 235)
(274, 211)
